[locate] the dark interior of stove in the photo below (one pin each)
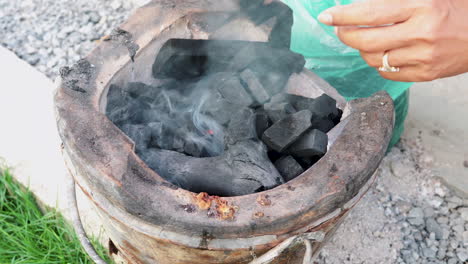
(219, 121)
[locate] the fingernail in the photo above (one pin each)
(325, 18)
(336, 30)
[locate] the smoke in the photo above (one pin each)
(210, 101)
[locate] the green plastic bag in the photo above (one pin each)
(339, 64)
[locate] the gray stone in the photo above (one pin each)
(428, 212)
(402, 206)
(416, 212)
(455, 199)
(454, 243)
(442, 220)
(441, 253)
(445, 233)
(465, 239)
(436, 202)
(433, 227)
(94, 17)
(458, 230)
(416, 221)
(452, 261)
(462, 255)
(428, 253)
(464, 213)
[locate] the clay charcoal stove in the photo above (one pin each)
(145, 141)
(214, 122)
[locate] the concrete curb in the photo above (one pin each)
(29, 141)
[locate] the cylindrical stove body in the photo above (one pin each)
(145, 216)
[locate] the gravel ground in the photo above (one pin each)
(50, 34)
(407, 216)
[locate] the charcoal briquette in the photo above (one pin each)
(192, 58)
(130, 112)
(324, 107)
(288, 167)
(262, 122)
(280, 35)
(254, 86)
(242, 126)
(141, 90)
(116, 98)
(323, 124)
(219, 108)
(162, 136)
(233, 91)
(272, 78)
(302, 103)
(150, 116)
(313, 143)
(278, 111)
(286, 131)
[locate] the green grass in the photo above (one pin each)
(29, 236)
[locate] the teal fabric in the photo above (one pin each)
(339, 64)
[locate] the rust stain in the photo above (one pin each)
(263, 200)
(203, 201)
(224, 209)
(259, 215)
(215, 205)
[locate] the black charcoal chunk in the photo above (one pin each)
(324, 107)
(219, 108)
(274, 156)
(323, 124)
(183, 66)
(233, 91)
(254, 86)
(130, 112)
(140, 90)
(280, 35)
(280, 98)
(195, 149)
(288, 167)
(262, 122)
(286, 131)
(242, 126)
(278, 111)
(116, 98)
(140, 134)
(178, 144)
(273, 78)
(242, 169)
(302, 103)
(192, 58)
(161, 136)
(313, 143)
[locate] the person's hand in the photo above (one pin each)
(426, 39)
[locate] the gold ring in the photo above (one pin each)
(386, 66)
